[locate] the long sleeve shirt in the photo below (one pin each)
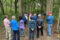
(32, 24)
(6, 22)
(14, 25)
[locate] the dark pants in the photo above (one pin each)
(14, 35)
(31, 34)
(41, 29)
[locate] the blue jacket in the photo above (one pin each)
(25, 20)
(14, 25)
(35, 18)
(50, 19)
(32, 24)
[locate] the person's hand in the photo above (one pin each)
(32, 29)
(39, 27)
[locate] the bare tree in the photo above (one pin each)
(20, 7)
(16, 1)
(58, 20)
(11, 4)
(42, 6)
(2, 8)
(49, 6)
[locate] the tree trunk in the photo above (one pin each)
(6, 5)
(11, 5)
(58, 20)
(16, 1)
(20, 7)
(42, 7)
(2, 8)
(49, 6)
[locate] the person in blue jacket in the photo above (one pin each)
(32, 26)
(15, 28)
(35, 16)
(50, 21)
(25, 20)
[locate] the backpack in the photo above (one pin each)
(25, 20)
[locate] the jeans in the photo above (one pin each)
(22, 32)
(8, 33)
(41, 29)
(49, 29)
(31, 34)
(14, 35)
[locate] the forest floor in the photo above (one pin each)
(26, 37)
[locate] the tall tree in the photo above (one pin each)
(16, 1)
(2, 8)
(58, 20)
(49, 6)
(20, 7)
(10, 4)
(42, 6)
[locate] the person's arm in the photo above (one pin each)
(29, 24)
(47, 19)
(42, 23)
(53, 19)
(37, 23)
(16, 23)
(11, 24)
(8, 22)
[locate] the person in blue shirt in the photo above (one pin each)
(15, 28)
(35, 16)
(25, 20)
(32, 26)
(50, 21)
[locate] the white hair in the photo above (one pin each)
(35, 14)
(13, 17)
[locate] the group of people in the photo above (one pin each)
(36, 23)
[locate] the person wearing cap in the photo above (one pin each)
(40, 24)
(7, 27)
(50, 21)
(32, 26)
(15, 28)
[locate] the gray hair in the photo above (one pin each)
(13, 17)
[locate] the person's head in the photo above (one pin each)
(39, 15)
(20, 17)
(31, 18)
(25, 14)
(13, 17)
(34, 14)
(50, 13)
(6, 16)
